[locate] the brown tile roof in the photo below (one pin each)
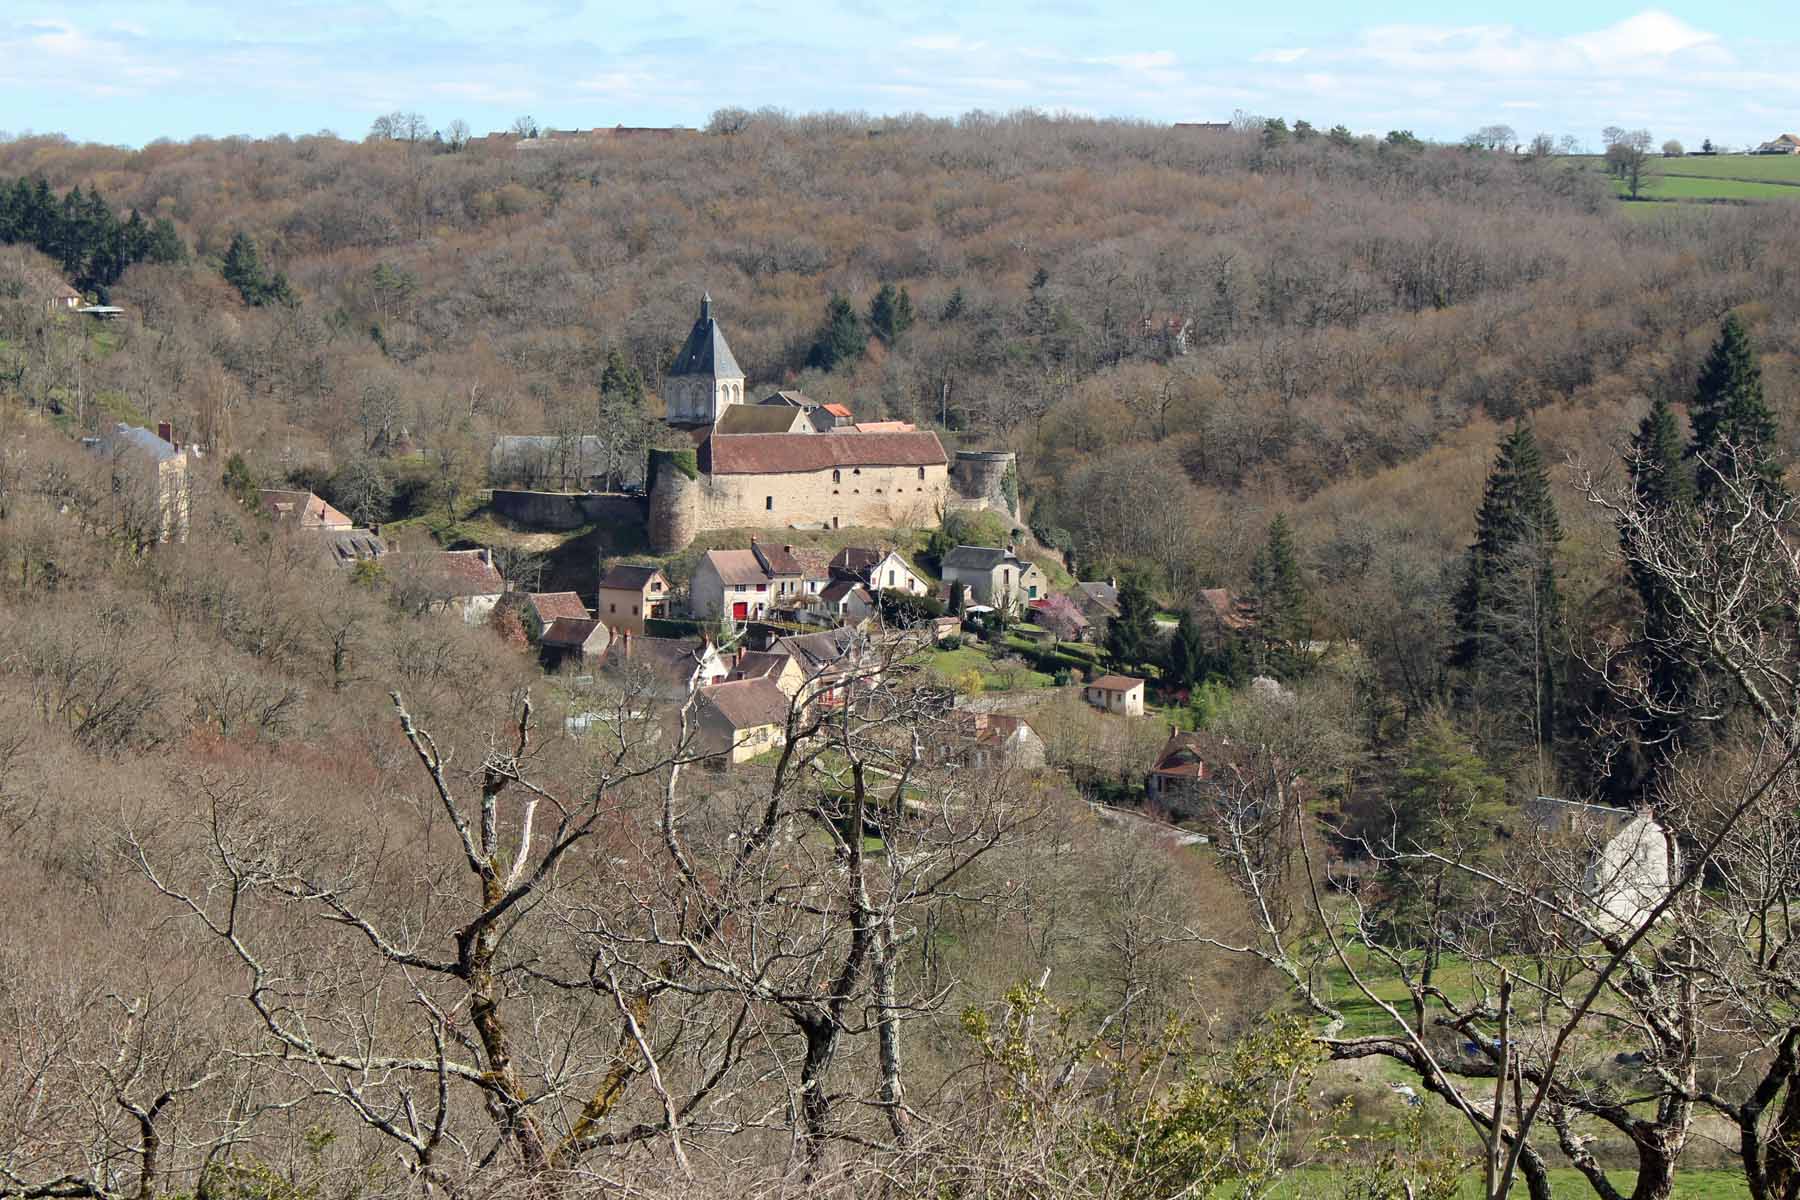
(836, 410)
(857, 560)
(778, 558)
(868, 427)
(570, 632)
(737, 567)
(788, 453)
(462, 573)
(628, 577)
(759, 418)
(815, 650)
(839, 588)
(676, 658)
(552, 606)
(308, 510)
(1116, 683)
(747, 703)
(814, 564)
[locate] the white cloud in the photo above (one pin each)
(1148, 61)
(1649, 35)
(1292, 55)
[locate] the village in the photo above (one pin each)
(723, 657)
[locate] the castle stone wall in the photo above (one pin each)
(979, 477)
(874, 496)
(570, 510)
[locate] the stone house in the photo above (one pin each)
(630, 594)
(831, 663)
(648, 669)
(880, 570)
(781, 669)
(991, 741)
(739, 719)
(1098, 600)
(744, 585)
(1121, 694)
(543, 608)
(567, 639)
(847, 600)
(823, 417)
(994, 577)
(154, 468)
(461, 581)
(64, 298)
(1182, 774)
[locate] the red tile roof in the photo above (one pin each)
(779, 559)
(628, 577)
(792, 453)
(836, 410)
(463, 573)
(736, 567)
(1116, 683)
(552, 606)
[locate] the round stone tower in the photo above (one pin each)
(981, 478)
(674, 477)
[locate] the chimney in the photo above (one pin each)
(1112, 581)
(487, 555)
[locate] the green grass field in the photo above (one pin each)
(1730, 177)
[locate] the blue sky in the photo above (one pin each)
(180, 68)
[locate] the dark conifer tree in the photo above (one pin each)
(1508, 610)
(1131, 637)
(841, 339)
(1278, 603)
(1732, 424)
(1662, 481)
(1187, 658)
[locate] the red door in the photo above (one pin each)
(739, 611)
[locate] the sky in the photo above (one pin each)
(129, 74)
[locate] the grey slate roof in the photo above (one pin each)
(136, 437)
(974, 558)
(628, 577)
(705, 352)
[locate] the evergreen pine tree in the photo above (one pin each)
(1278, 596)
(1508, 609)
(954, 307)
(1186, 662)
(1131, 637)
(1732, 424)
(621, 381)
(1662, 484)
(243, 269)
(841, 339)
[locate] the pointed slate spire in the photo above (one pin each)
(705, 352)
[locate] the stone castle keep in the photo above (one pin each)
(848, 477)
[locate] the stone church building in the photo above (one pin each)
(829, 475)
(706, 379)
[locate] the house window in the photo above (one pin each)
(1032, 591)
(890, 579)
(768, 503)
(856, 470)
(762, 587)
(612, 608)
(921, 472)
(634, 610)
(837, 476)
